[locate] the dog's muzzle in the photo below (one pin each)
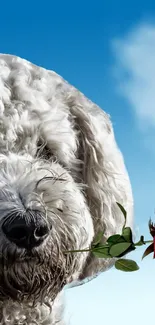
(27, 230)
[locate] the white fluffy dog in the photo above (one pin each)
(61, 174)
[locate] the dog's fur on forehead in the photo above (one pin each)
(58, 155)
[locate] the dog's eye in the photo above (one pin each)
(59, 209)
(43, 151)
(58, 205)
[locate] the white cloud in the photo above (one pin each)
(135, 70)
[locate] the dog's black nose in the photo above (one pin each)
(26, 231)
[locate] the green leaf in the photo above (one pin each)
(115, 239)
(126, 265)
(117, 249)
(123, 211)
(148, 251)
(98, 238)
(140, 242)
(127, 234)
(101, 252)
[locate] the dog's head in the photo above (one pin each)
(49, 206)
(43, 216)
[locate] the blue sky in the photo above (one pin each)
(106, 49)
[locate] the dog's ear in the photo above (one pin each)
(104, 173)
(82, 139)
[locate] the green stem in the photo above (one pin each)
(90, 249)
(141, 243)
(148, 241)
(78, 250)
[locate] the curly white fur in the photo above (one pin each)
(57, 155)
